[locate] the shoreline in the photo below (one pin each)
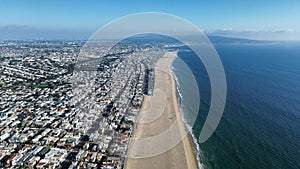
(188, 127)
(175, 149)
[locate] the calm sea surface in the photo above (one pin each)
(260, 127)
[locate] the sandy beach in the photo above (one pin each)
(161, 139)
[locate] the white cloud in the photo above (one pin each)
(14, 26)
(234, 31)
(260, 34)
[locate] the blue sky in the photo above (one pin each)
(257, 19)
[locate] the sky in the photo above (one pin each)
(73, 19)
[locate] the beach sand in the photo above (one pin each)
(161, 139)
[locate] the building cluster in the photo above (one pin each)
(61, 111)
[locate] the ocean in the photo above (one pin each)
(260, 127)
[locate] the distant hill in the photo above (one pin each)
(220, 39)
(154, 38)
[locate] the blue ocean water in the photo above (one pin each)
(260, 127)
